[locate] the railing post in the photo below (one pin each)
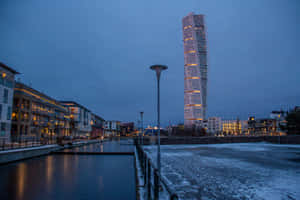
(149, 180)
(143, 162)
(145, 167)
(156, 185)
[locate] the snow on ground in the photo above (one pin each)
(232, 171)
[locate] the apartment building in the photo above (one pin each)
(7, 82)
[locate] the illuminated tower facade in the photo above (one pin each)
(195, 69)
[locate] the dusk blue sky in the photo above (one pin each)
(98, 53)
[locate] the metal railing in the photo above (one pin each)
(21, 142)
(153, 183)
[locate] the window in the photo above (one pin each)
(5, 96)
(1, 80)
(3, 126)
(8, 113)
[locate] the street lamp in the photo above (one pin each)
(158, 69)
(142, 128)
(139, 131)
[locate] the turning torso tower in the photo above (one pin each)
(195, 69)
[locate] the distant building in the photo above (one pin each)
(214, 125)
(7, 82)
(127, 128)
(234, 127)
(80, 118)
(279, 116)
(195, 70)
(112, 128)
(262, 126)
(37, 115)
(174, 129)
(97, 124)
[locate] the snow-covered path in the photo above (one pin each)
(232, 171)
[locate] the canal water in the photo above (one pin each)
(55, 177)
(116, 145)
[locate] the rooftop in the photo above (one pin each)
(8, 68)
(39, 95)
(68, 103)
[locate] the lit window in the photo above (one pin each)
(189, 105)
(195, 119)
(187, 39)
(193, 77)
(191, 64)
(186, 27)
(192, 51)
(192, 91)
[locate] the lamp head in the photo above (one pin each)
(158, 69)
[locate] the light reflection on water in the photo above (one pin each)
(69, 177)
(20, 179)
(49, 171)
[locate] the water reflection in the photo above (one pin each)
(21, 178)
(49, 170)
(69, 177)
(107, 146)
(101, 183)
(101, 147)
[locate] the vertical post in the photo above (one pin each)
(142, 128)
(145, 166)
(156, 185)
(158, 124)
(139, 132)
(157, 173)
(149, 181)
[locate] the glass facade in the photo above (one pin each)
(195, 69)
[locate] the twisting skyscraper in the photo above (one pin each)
(195, 69)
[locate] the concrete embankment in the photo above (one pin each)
(25, 153)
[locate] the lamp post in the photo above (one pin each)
(139, 132)
(158, 69)
(142, 128)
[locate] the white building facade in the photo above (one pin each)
(81, 120)
(195, 70)
(214, 125)
(7, 82)
(112, 128)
